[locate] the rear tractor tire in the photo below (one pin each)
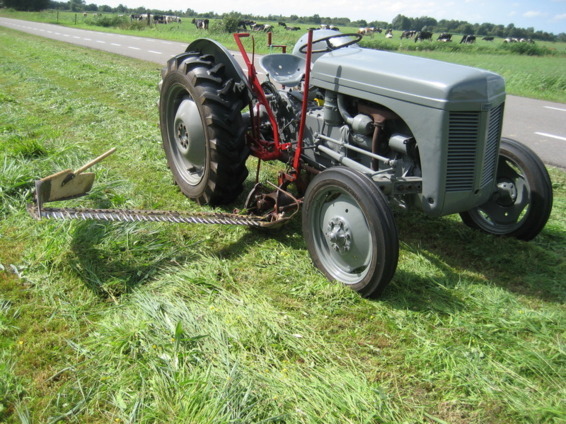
(202, 128)
(350, 230)
(522, 203)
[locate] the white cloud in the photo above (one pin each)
(532, 14)
(559, 17)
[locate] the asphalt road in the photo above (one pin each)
(541, 125)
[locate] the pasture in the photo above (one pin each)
(137, 322)
(539, 72)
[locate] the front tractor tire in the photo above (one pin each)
(350, 230)
(522, 203)
(202, 128)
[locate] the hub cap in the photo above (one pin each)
(190, 141)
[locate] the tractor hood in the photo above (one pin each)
(374, 74)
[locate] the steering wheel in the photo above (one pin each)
(329, 47)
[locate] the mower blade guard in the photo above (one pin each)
(63, 185)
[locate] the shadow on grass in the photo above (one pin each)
(111, 267)
(534, 268)
(111, 262)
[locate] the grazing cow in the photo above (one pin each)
(367, 31)
(245, 23)
(423, 35)
(444, 37)
(511, 40)
(159, 19)
(145, 17)
(487, 38)
(526, 40)
(289, 28)
(262, 27)
(170, 19)
(283, 24)
(201, 23)
(408, 34)
(468, 39)
(389, 33)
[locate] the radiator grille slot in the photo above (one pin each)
(462, 148)
(492, 146)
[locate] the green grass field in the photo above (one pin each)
(145, 323)
(538, 73)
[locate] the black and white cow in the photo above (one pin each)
(423, 35)
(201, 23)
(468, 39)
(444, 37)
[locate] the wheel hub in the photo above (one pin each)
(190, 138)
(507, 193)
(338, 235)
(183, 135)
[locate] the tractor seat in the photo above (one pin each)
(285, 69)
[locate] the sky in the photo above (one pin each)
(542, 15)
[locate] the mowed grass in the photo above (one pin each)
(107, 322)
(538, 73)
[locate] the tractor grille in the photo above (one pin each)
(462, 144)
(492, 146)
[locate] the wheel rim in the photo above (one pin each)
(189, 142)
(342, 236)
(507, 210)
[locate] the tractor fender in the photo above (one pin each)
(223, 55)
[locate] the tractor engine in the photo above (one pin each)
(426, 132)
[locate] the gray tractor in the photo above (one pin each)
(360, 131)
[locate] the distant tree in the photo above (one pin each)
(27, 5)
(316, 19)
(91, 8)
(499, 31)
(361, 23)
(424, 21)
(76, 5)
(105, 8)
(60, 5)
(379, 24)
(121, 8)
(511, 31)
(401, 23)
(485, 29)
(465, 28)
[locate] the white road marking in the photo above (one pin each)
(116, 44)
(154, 52)
(551, 136)
(134, 48)
(101, 42)
(555, 108)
